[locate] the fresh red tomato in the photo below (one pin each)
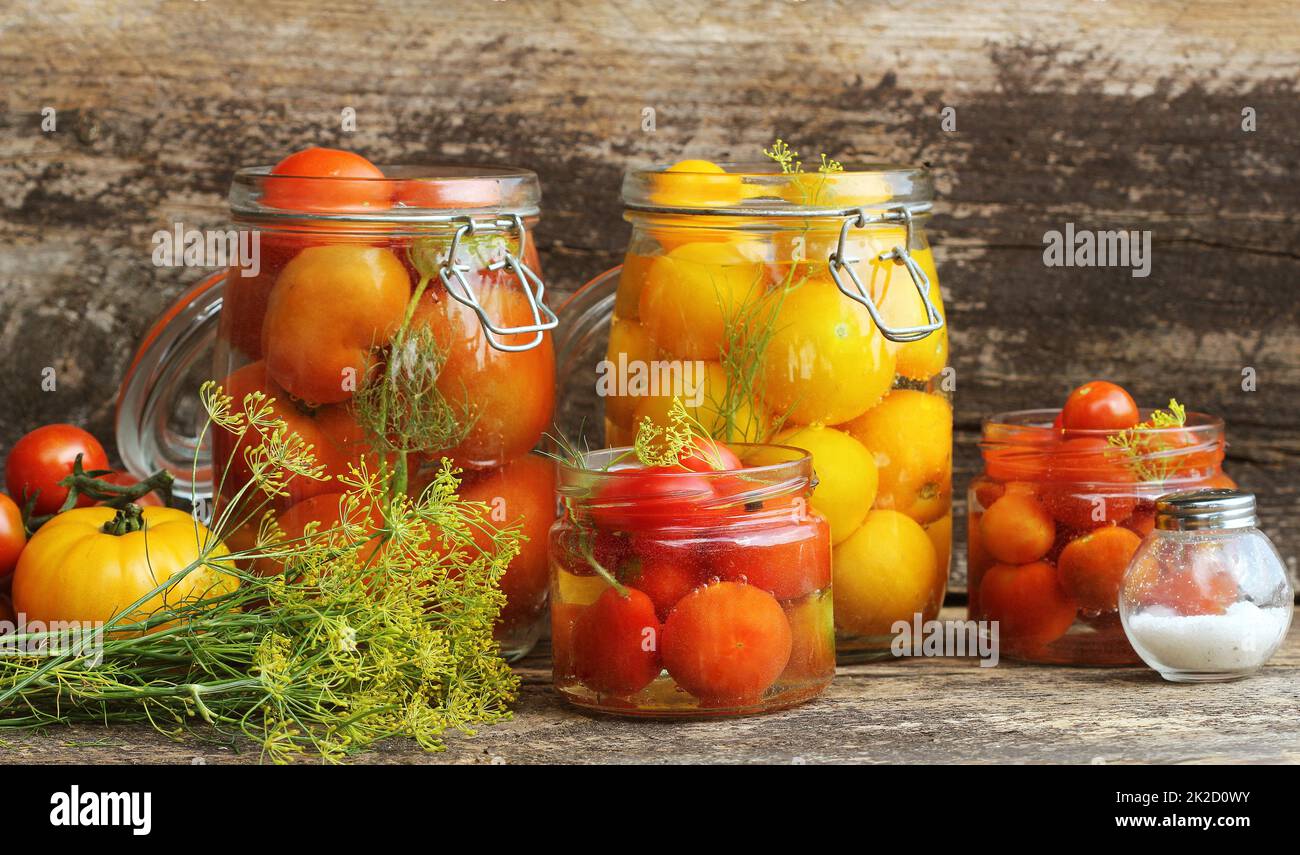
(1099, 405)
(786, 561)
(708, 455)
(43, 458)
(650, 498)
(727, 643)
(126, 479)
(354, 182)
(616, 643)
(12, 535)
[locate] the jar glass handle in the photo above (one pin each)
(463, 292)
(840, 263)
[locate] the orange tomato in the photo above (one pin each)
(510, 395)
(727, 643)
(327, 511)
(615, 643)
(354, 183)
(1028, 603)
(1017, 529)
(330, 308)
(1092, 567)
(522, 492)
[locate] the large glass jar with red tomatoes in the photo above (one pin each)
(1057, 514)
(690, 590)
(802, 309)
(397, 318)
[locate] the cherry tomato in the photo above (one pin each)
(1099, 405)
(521, 492)
(1028, 602)
(13, 537)
(708, 456)
(126, 479)
(616, 643)
(304, 190)
(1017, 529)
(727, 643)
(1092, 567)
(664, 573)
(786, 561)
(510, 395)
(330, 308)
(1087, 485)
(650, 498)
(43, 458)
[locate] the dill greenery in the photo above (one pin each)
(1143, 449)
(380, 627)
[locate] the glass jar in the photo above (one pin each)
(800, 309)
(432, 264)
(1053, 520)
(679, 593)
(1206, 597)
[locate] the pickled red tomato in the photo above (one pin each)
(1091, 567)
(355, 184)
(787, 561)
(1099, 405)
(910, 435)
(737, 420)
(520, 493)
(1028, 602)
(331, 307)
(650, 498)
(727, 643)
(329, 512)
(694, 293)
(1087, 486)
(665, 573)
(885, 572)
(826, 362)
(615, 643)
(510, 396)
(846, 474)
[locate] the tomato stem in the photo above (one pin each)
(127, 519)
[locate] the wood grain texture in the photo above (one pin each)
(913, 711)
(1105, 114)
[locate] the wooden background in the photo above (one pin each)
(1106, 114)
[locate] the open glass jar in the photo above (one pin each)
(1055, 518)
(395, 321)
(800, 309)
(679, 593)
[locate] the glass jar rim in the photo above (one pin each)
(443, 193)
(760, 188)
(1035, 426)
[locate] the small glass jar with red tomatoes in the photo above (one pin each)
(1057, 514)
(690, 593)
(396, 316)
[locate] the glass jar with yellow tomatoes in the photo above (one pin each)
(801, 309)
(1058, 513)
(394, 318)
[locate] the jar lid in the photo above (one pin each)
(1206, 510)
(763, 190)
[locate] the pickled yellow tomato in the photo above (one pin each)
(940, 533)
(731, 421)
(885, 572)
(693, 294)
(631, 280)
(910, 435)
(826, 362)
(846, 474)
(696, 184)
(629, 345)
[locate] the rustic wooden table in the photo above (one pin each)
(915, 711)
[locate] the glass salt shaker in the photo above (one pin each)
(1206, 596)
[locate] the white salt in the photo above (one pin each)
(1240, 639)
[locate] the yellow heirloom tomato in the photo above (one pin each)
(90, 564)
(886, 571)
(731, 421)
(845, 470)
(910, 435)
(826, 361)
(693, 293)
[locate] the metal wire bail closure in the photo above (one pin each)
(840, 262)
(534, 289)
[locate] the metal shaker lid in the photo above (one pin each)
(1206, 510)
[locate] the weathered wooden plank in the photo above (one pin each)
(1108, 115)
(914, 711)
